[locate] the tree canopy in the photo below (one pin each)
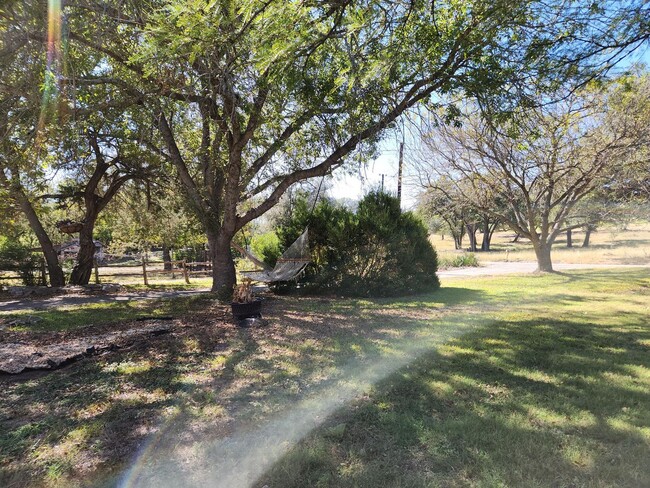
(246, 98)
(537, 166)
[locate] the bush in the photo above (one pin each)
(16, 257)
(379, 251)
(191, 254)
(465, 260)
(267, 247)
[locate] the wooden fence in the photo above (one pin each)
(144, 270)
(147, 269)
(40, 273)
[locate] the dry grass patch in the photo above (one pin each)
(608, 245)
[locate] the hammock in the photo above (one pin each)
(288, 266)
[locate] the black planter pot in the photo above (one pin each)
(246, 310)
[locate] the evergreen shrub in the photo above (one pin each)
(377, 251)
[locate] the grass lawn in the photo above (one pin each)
(609, 245)
(508, 381)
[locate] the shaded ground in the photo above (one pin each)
(53, 351)
(16, 305)
(206, 380)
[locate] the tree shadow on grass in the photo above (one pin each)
(91, 413)
(86, 422)
(634, 243)
(527, 403)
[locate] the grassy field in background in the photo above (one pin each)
(508, 381)
(608, 245)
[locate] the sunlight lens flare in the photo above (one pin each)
(240, 459)
(54, 62)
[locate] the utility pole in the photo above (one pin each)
(382, 182)
(399, 173)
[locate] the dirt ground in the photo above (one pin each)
(17, 304)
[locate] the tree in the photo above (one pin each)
(54, 126)
(541, 163)
(442, 200)
(377, 251)
(23, 112)
(624, 192)
(96, 174)
(145, 214)
(250, 98)
(629, 183)
(461, 206)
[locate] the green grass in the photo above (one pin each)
(553, 393)
(508, 381)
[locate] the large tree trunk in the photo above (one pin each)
(471, 233)
(223, 265)
(569, 238)
(543, 253)
(83, 269)
(57, 278)
(458, 240)
(488, 232)
(588, 231)
(485, 242)
(167, 257)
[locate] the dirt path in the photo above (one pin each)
(18, 305)
(491, 268)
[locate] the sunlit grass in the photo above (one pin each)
(509, 381)
(166, 284)
(554, 392)
(609, 245)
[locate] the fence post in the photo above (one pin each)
(96, 271)
(185, 274)
(144, 270)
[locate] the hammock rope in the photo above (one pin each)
(293, 261)
(288, 266)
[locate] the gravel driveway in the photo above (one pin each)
(490, 268)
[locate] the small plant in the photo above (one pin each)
(19, 258)
(465, 260)
(243, 292)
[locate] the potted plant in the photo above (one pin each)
(244, 304)
(68, 226)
